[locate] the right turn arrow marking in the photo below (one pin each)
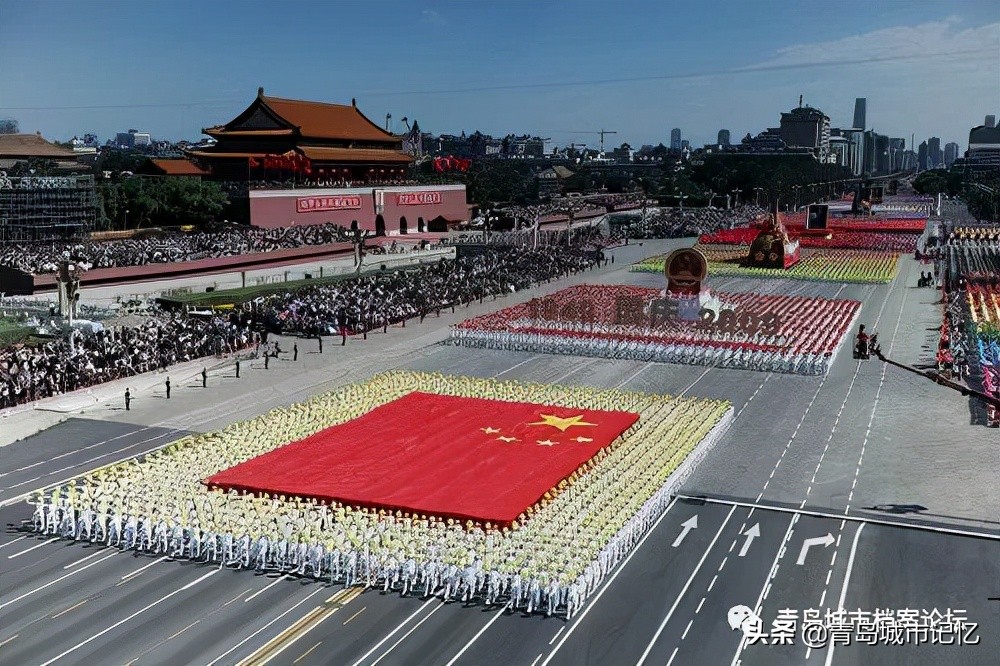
(824, 541)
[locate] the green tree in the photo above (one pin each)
(159, 201)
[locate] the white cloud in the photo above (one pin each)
(431, 17)
(937, 40)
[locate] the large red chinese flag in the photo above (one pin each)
(467, 458)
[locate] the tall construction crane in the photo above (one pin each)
(601, 133)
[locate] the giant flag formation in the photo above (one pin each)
(565, 543)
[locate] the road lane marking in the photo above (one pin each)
(363, 609)
(847, 579)
(123, 621)
(561, 629)
(771, 574)
(604, 589)
(63, 612)
(28, 550)
(23, 496)
(407, 634)
(13, 541)
(265, 627)
(839, 516)
(489, 624)
(138, 572)
(398, 627)
(672, 655)
(631, 377)
(51, 583)
(304, 654)
(237, 597)
(69, 453)
(4, 642)
(540, 654)
(173, 636)
(513, 367)
(687, 629)
(265, 589)
(700, 604)
(73, 564)
(298, 629)
(687, 585)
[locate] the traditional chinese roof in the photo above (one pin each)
(32, 145)
(174, 167)
(277, 116)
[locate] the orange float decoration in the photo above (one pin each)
(773, 247)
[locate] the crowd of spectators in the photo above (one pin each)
(44, 256)
(678, 223)
(375, 301)
(35, 371)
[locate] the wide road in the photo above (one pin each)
(866, 489)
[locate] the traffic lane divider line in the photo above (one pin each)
(35, 547)
(306, 653)
(687, 585)
(63, 612)
(79, 645)
(53, 582)
(264, 628)
(398, 627)
(301, 627)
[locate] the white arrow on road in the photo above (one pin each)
(825, 541)
(750, 534)
(688, 525)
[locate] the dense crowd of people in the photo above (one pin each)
(31, 372)
(375, 301)
(678, 223)
(44, 256)
(80, 360)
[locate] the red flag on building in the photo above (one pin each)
(467, 458)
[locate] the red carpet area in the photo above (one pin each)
(466, 458)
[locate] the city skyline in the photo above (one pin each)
(539, 83)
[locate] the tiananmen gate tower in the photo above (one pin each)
(313, 162)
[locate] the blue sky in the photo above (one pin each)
(553, 68)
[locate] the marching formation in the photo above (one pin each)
(549, 561)
(820, 265)
(788, 334)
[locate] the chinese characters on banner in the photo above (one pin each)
(322, 203)
(418, 198)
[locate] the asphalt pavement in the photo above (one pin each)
(875, 481)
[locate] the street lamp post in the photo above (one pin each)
(736, 198)
(756, 195)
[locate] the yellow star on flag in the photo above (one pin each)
(507, 439)
(561, 422)
(490, 431)
(582, 440)
(547, 442)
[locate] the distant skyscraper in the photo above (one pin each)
(675, 139)
(896, 147)
(922, 162)
(934, 156)
(860, 107)
(991, 121)
(723, 137)
(950, 153)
